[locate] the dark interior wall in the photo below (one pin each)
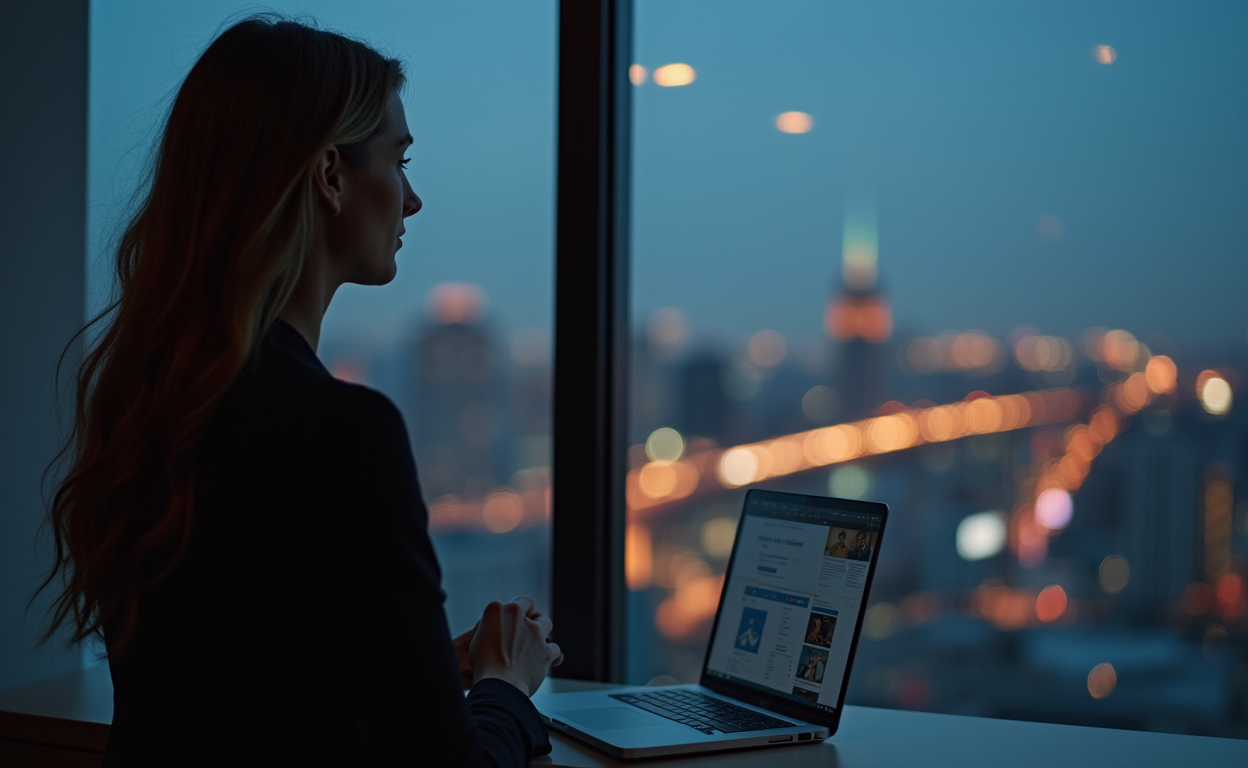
(43, 135)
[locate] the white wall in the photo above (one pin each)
(43, 130)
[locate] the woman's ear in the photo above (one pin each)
(327, 176)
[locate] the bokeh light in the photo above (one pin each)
(1051, 603)
(820, 404)
(767, 349)
(638, 556)
(1043, 353)
(503, 511)
(637, 74)
(881, 621)
(1161, 374)
(1104, 54)
(674, 75)
(454, 303)
(718, 534)
(1102, 680)
(657, 479)
(1114, 574)
(849, 482)
(667, 329)
(980, 536)
(1054, 508)
(794, 122)
(1214, 393)
(665, 444)
(737, 467)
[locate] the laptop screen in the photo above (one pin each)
(793, 596)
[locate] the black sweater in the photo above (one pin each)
(304, 625)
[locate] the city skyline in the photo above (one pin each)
(1018, 179)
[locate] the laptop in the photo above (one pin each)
(777, 665)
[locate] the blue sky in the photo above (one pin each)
(966, 122)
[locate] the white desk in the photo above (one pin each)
(64, 722)
(886, 738)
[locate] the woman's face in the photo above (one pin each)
(364, 236)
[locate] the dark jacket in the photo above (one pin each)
(304, 625)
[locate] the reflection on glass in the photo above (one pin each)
(962, 295)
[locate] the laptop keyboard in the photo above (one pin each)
(700, 712)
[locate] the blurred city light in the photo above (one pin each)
(502, 511)
(1104, 54)
(665, 444)
(859, 247)
(638, 556)
(849, 482)
(718, 535)
(1043, 353)
(1102, 680)
(673, 75)
(794, 122)
(1161, 374)
(980, 536)
(820, 404)
(737, 467)
(767, 349)
(881, 621)
(637, 74)
(1214, 393)
(1051, 603)
(1114, 574)
(1118, 349)
(667, 329)
(450, 303)
(1004, 608)
(973, 352)
(1054, 508)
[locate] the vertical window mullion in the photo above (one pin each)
(591, 337)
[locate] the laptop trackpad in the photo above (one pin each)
(610, 718)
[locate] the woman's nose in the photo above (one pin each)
(411, 203)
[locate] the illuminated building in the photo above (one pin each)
(453, 406)
(859, 319)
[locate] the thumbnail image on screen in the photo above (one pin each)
(811, 664)
(850, 543)
(819, 628)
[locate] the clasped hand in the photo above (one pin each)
(511, 643)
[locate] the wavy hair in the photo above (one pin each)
(208, 260)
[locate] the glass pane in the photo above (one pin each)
(460, 340)
(979, 261)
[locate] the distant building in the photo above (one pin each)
(702, 403)
(859, 319)
(1161, 521)
(454, 404)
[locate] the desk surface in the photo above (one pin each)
(875, 738)
(867, 737)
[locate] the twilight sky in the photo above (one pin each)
(1015, 178)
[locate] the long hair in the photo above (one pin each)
(208, 260)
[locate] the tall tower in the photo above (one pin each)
(858, 317)
(457, 420)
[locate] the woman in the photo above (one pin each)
(245, 531)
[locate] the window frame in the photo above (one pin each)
(591, 337)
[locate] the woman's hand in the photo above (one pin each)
(512, 643)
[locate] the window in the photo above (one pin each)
(982, 262)
(460, 341)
